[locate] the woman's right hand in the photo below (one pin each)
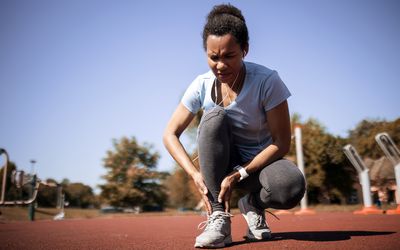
(177, 124)
(199, 182)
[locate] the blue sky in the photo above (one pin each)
(76, 74)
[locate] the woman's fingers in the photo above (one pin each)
(222, 194)
(225, 194)
(226, 199)
(198, 180)
(225, 190)
(200, 184)
(203, 188)
(227, 206)
(207, 204)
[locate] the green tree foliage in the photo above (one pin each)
(329, 175)
(79, 195)
(131, 179)
(76, 194)
(47, 196)
(363, 136)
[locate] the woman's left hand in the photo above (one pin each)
(226, 190)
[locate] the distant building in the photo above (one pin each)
(383, 180)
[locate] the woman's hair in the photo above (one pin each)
(226, 19)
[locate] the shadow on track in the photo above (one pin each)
(314, 236)
(324, 235)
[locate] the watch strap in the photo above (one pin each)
(243, 173)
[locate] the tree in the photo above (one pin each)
(363, 136)
(182, 192)
(329, 175)
(79, 195)
(47, 196)
(131, 179)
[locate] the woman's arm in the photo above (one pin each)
(279, 126)
(179, 121)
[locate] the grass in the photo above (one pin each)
(20, 213)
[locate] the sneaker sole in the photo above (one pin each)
(249, 235)
(225, 242)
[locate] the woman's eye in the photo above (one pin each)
(229, 56)
(214, 58)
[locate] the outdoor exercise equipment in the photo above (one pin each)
(19, 179)
(304, 210)
(362, 170)
(393, 154)
(61, 214)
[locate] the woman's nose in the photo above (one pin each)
(221, 65)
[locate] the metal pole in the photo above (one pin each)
(32, 205)
(362, 170)
(397, 174)
(300, 161)
(3, 188)
(59, 195)
(366, 187)
(393, 154)
(31, 208)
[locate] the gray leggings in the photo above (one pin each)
(278, 185)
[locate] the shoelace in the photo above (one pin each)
(259, 219)
(214, 221)
(271, 213)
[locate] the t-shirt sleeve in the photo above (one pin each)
(274, 92)
(192, 98)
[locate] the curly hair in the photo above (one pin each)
(226, 19)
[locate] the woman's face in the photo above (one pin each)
(224, 56)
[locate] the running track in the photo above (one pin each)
(320, 231)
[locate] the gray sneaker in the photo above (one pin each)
(217, 232)
(257, 226)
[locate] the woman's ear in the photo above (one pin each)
(245, 50)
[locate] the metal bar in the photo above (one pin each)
(393, 154)
(24, 202)
(366, 188)
(354, 158)
(3, 189)
(363, 174)
(300, 161)
(388, 147)
(397, 175)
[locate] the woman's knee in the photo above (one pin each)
(213, 123)
(283, 185)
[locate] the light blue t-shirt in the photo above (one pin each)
(262, 90)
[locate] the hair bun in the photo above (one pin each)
(226, 9)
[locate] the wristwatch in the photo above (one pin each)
(242, 172)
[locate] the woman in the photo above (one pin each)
(243, 134)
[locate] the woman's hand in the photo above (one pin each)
(199, 182)
(226, 189)
(177, 124)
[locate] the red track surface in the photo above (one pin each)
(320, 231)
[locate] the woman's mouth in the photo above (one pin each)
(223, 75)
